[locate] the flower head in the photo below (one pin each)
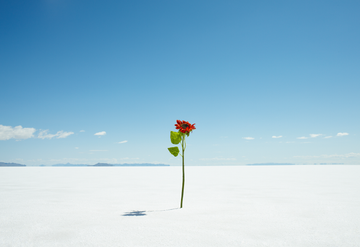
(184, 126)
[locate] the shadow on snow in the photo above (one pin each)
(135, 213)
(143, 212)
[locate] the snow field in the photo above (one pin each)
(139, 206)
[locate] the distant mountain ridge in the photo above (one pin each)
(68, 164)
(3, 164)
(287, 164)
(107, 164)
(135, 164)
(10, 164)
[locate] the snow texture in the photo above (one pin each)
(138, 206)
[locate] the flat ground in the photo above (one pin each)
(139, 206)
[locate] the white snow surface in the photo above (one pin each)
(139, 206)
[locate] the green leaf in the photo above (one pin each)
(175, 137)
(174, 151)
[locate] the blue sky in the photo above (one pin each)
(243, 71)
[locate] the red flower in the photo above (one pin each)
(184, 126)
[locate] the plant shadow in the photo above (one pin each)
(135, 213)
(143, 212)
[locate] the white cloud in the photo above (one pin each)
(276, 136)
(44, 134)
(18, 132)
(60, 134)
(82, 130)
(102, 133)
(63, 134)
(342, 134)
(248, 138)
(326, 137)
(315, 135)
(76, 147)
(123, 141)
(311, 135)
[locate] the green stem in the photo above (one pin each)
(183, 169)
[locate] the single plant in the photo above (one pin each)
(184, 128)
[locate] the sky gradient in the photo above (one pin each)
(264, 81)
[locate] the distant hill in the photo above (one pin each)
(270, 164)
(106, 164)
(286, 164)
(68, 164)
(139, 164)
(10, 164)
(328, 163)
(103, 164)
